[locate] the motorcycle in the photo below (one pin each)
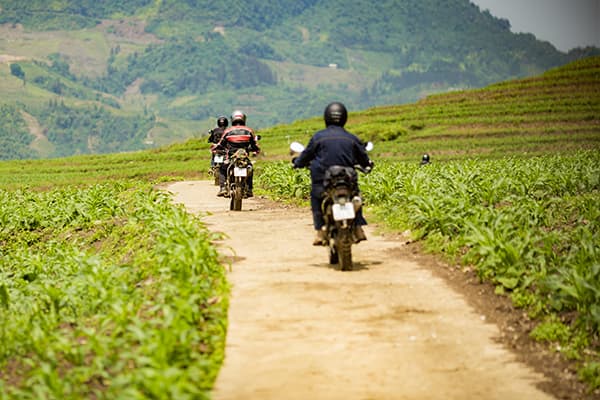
(340, 204)
(218, 159)
(240, 169)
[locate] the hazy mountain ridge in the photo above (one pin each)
(208, 58)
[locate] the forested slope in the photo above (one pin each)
(174, 65)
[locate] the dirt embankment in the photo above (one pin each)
(6, 58)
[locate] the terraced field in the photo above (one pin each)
(512, 195)
(557, 112)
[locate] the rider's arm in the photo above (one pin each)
(253, 145)
(362, 158)
(222, 142)
(307, 155)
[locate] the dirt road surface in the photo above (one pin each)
(302, 329)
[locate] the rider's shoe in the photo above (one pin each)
(321, 238)
(359, 234)
(222, 192)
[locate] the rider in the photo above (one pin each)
(216, 133)
(238, 136)
(425, 160)
(333, 145)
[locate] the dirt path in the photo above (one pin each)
(301, 329)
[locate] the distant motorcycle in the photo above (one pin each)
(240, 169)
(218, 159)
(340, 204)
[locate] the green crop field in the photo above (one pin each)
(107, 291)
(95, 262)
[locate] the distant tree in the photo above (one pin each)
(16, 70)
(60, 65)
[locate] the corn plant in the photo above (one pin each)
(107, 291)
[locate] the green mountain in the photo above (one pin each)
(97, 77)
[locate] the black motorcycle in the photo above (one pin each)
(218, 159)
(238, 172)
(340, 204)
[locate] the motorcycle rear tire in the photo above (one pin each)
(344, 249)
(236, 199)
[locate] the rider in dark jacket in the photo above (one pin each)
(215, 134)
(238, 136)
(332, 146)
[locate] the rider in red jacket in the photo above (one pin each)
(238, 136)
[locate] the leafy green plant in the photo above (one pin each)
(107, 291)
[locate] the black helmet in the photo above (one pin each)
(425, 158)
(238, 118)
(335, 114)
(222, 122)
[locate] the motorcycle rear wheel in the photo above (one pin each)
(344, 249)
(236, 199)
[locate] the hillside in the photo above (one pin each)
(555, 112)
(510, 204)
(165, 70)
(558, 111)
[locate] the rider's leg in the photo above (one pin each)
(316, 198)
(359, 221)
(250, 184)
(222, 180)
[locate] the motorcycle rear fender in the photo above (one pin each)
(341, 198)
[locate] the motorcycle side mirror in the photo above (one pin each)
(296, 147)
(369, 146)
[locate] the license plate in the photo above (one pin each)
(342, 211)
(240, 171)
(219, 159)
